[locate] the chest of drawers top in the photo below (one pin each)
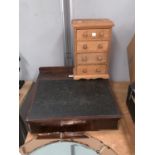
(92, 23)
(92, 39)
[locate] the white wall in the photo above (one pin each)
(121, 12)
(41, 36)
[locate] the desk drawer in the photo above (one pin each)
(91, 69)
(88, 124)
(92, 46)
(91, 58)
(94, 34)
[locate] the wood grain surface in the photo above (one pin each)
(92, 38)
(24, 91)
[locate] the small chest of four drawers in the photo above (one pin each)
(91, 48)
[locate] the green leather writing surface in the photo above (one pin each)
(69, 98)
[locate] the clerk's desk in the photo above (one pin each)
(113, 138)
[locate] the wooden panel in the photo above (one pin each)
(92, 46)
(94, 34)
(93, 23)
(131, 59)
(55, 72)
(24, 91)
(92, 58)
(88, 125)
(91, 76)
(91, 69)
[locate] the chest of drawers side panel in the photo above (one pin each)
(75, 47)
(108, 53)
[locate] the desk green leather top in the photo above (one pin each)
(70, 98)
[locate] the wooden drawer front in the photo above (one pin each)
(94, 34)
(91, 58)
(85, 125)
(92, 46)
(92, 69)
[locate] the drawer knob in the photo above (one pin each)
(85, 46)
(84, 58)
(93, 34)
(84, 70)
(101, 34)
(99, 58)
(85, 34)
(98, 70)
(100, 46)
(72, 122)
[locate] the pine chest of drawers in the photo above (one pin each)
(92, 40)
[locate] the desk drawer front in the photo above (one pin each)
(94, 34)
(92, 46)
(91, 58)
(88, 125)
